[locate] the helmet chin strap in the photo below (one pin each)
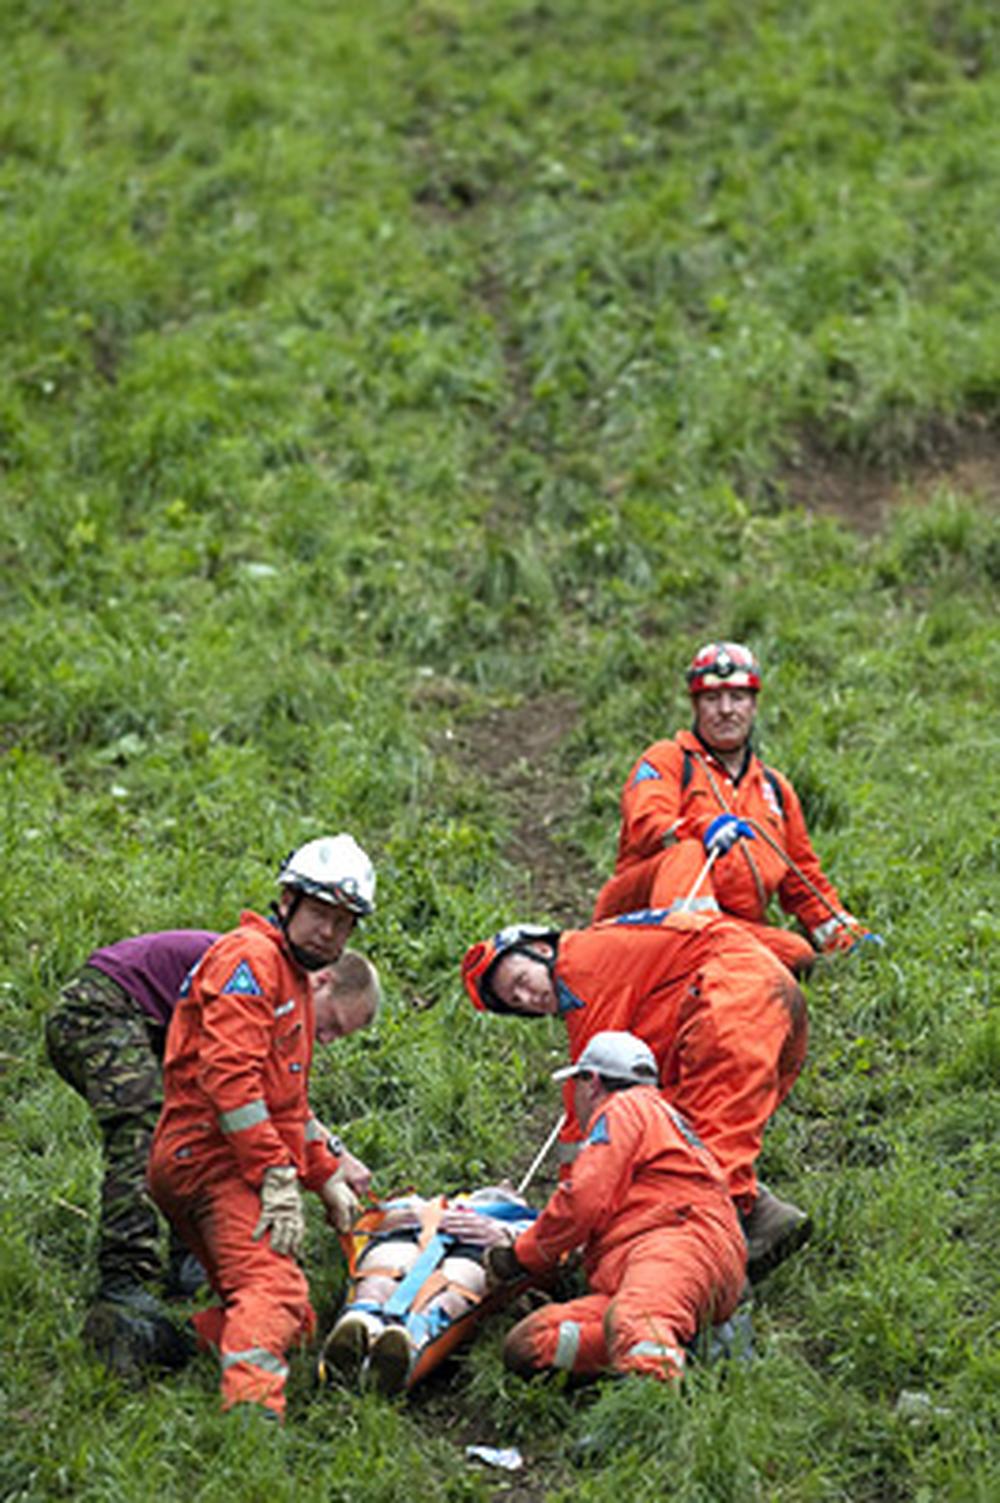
(307, 959)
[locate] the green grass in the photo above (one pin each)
(377, 377)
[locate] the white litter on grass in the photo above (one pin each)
(508, 1458)
(916, 1407)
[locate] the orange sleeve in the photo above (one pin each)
(590, 1197)
(321, 1160)
(237, 989)
(651, 801)
(793, 894)
(614, 1008)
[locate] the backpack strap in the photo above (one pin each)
(776, 788)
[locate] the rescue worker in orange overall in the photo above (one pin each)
(236, 1138)
(648, 1206)
(706, 792)
(723, 1016)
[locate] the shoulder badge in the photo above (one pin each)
(243, 982)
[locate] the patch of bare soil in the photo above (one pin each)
(863, 495)
(517, 750)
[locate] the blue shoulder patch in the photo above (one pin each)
(243, 981)
(649, 916)
(644, 773)
(600, 1132)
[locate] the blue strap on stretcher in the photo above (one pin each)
(402, 1296)
(406, 1290)
(507, 1210)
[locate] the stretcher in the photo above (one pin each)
(431, 1292)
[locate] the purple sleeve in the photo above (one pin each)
(152, 967)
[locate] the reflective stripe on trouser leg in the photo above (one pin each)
(257, 1356)
(693, 905)
(666, 1361)
(665, 1283)
(567, 1346)
(258, 1376)
(267, 1306)
(265, 1297)
(564, 1338)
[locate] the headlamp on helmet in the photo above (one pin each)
(723, 665)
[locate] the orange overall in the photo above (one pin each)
(724, 1018)
(671, 796)
(662, 1246)
(236, 1077)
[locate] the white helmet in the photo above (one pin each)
(334, 869)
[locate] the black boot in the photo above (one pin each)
(185, 1275)
(128, 1331)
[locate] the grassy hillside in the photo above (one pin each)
(393, 395)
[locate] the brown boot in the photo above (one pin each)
(774, 1229)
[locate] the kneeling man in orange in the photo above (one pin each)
(650, 1210)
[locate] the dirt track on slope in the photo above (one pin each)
(517, 750)
(863, 496)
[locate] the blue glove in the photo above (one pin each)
(723, 833)
(867, 939)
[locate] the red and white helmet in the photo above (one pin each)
(334, 869)
(479, 960)
(720, 665)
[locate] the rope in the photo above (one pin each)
(685, 903)
(762, 896)
(541, 1154)
(775, 846)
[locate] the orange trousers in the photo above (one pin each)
(668, 877)
(264, 1298)
(649, 1296)
(740, 1043)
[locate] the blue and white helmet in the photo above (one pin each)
(334, 869)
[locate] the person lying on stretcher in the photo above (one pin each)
(417, 1284)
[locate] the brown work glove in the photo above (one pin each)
(281, 1210)
(502, 1266)
(340, 1200)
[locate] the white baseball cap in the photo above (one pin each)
(619, 1056)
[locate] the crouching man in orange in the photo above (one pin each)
(237, 1138)
(725, 1020)
(649, 1208)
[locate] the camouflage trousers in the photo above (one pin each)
(105, 1047)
